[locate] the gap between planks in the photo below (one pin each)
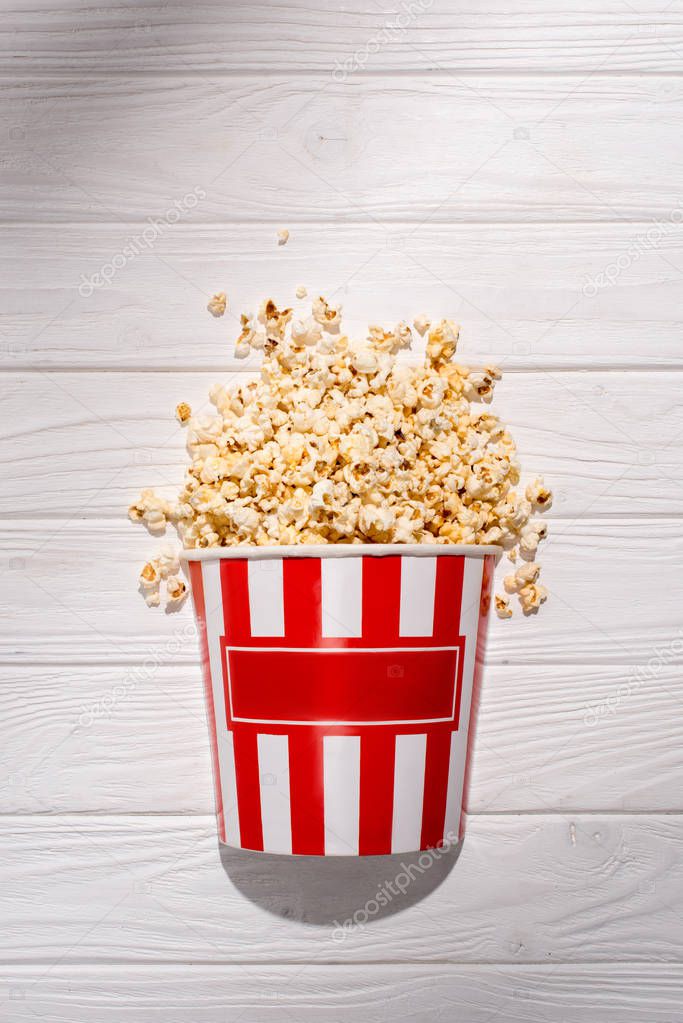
(535, 367)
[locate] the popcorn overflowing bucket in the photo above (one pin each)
(341, 691)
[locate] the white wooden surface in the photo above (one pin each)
(481, 161)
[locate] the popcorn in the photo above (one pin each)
(149, 576)
(524, 576)
(538, 494)
(176, 590)
(421, 324)
(531, 535)
(301, 292)
(183, 412)
(152, 510)
(218, 304)
(283, 236)
(532, 596)
(325, 315)
(340, 442)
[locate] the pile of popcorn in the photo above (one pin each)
(340, 442)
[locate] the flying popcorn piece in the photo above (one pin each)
(301, 292)
(283, 236)
(218, 304)
(503, 609)
(183, 412)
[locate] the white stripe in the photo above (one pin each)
(213, 605)
(341, 773)
(418, 582)
(469, 626)
(342, 606)
(409, 777)
(266, 597)
(273, 765)
(229, 781)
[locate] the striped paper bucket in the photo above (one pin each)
(339, 686)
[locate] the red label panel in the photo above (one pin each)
(342, 686)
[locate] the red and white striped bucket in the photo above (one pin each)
(339, 685)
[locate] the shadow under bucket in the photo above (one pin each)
(341, 692)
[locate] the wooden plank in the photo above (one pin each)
(154, 889)
(210, 36)
(85, 443)
(311, 149)
(70, 590)
(614, 993)
(526, 295)
(84, 739)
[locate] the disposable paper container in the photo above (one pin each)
(340, 686)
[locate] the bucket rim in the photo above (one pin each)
(341, 550)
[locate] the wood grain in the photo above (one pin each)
(311, 149)
(212, 36)
(84, 444)
(411, 993)
(143, 889)
(615, 590)
(522, 292)
(111, 740)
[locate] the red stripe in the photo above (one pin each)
(235, 587)
(436, 786)
(376, 793)
(197, 583)
(448, 598)
(381, 601)
(306, 791)
(302, 597)
(341, 686)
(248, 789)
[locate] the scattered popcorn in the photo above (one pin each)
(151, 510)
(531, 536)
(176, 590)
(538, 494)
(524, 576)
(167, 562)
(421, 324)
(218, 304)
(153, 598)
(338, 442)
(532, 596)
(149, 576)
(510, 583)
(301, 292)
(527, 574)
(283, 237)
(325, 315)
(183, 412)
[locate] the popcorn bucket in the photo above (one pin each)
(340, 684)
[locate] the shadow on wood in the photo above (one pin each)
(338, 891)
